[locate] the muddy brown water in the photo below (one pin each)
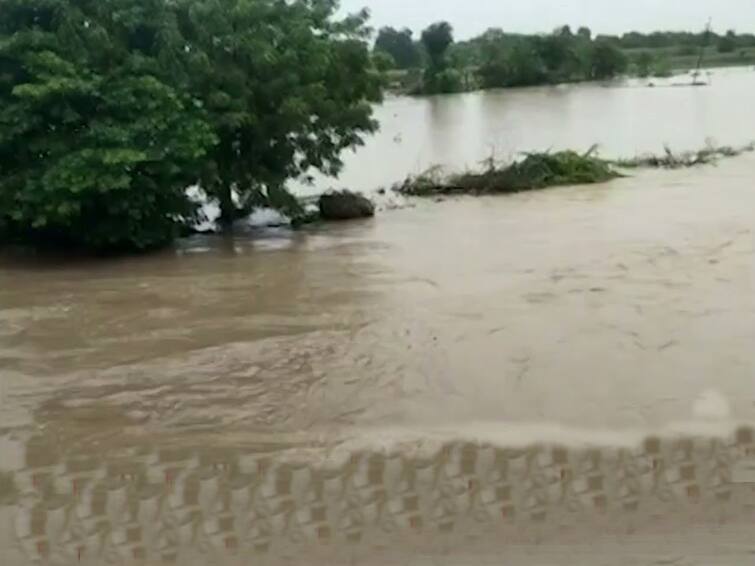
(623, 119)
(561, 377)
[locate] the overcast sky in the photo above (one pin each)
(471, 17)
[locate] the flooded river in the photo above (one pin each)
(561, 377)
(623, 119)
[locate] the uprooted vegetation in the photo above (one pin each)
(534, 171)
(540, 170)
(671, 160)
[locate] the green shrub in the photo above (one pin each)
(96, 151)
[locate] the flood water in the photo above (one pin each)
(561, 377)
(624, 119)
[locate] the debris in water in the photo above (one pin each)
(671, 160)
(535, 171)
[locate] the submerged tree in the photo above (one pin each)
(286, 87)
(607, 60)
(440, 77)
(728, 43)
(644, 64)
(96, 149)
(110, 109)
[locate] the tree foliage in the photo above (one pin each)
(727, 43)
(519, 60)
(286, 88)
(644, 64)
(503, 59)
(437, 39)
(440, 77)
(400, 46)
(607, 61)
(669, 39)
(96, 149)
(585, 33)
(109, 109)
(511, 63)
(382, 61)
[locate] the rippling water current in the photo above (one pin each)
(562, 377)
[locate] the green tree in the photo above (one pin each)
(96, 149)
(382, 61)
(525, 66)
(437, 39)
(439, 78)
(644, 64)
(511, 63)
(559, 56)
(286, 88)
(111, 108)
(400, 46)
(662, 68)
(585, 33)
(728, 43)
(445, 81)
(606, 60)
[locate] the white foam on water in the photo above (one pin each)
(266, 217)
(711, 405)
(523, 435)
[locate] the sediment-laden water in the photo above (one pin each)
(557, 377)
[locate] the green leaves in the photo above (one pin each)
(110, 109)
(94, 152)
(511, 60)
(283, 86)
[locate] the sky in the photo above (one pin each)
(472, 17)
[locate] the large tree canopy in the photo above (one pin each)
(520, 60)
(109, 109)
(286, 87)
(95, 149)
(437, 38)
(400, 46)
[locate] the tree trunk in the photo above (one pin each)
(227, 209)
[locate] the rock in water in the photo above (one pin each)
(345, 205)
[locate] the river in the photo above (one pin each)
(551, 378)
(624, 119)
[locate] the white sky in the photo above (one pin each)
(471, 17)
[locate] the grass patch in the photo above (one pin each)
(533, 171)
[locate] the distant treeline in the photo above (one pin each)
(497, 58)
(665, 39)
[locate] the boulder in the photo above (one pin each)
(345, 205)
